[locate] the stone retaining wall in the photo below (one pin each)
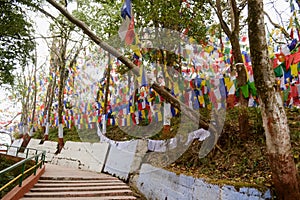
(49, 146)
(156, 183)
(82, 155)
(120, 158)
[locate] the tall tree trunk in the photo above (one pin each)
(61, 87)
(26, 112)
(46, 103)
(241, 81)
(61, 106)
(233, 35)
(284, 172)
(26, 106)
(49, 107)
(104, 120)
(50, 89)
(52, 85)
(34, 101)
(34, 96)
(167, 108)
(48, 93)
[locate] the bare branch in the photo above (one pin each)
(274, 39)
(286, 34)
(47, 14)
(218, 11)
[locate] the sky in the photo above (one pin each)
(273, 7)
(279, 11)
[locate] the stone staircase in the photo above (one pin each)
(62, 184)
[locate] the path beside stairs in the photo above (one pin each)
(65, 183)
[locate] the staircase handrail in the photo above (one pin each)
(39, 162)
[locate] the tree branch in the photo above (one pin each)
(236, 16)
(174, 102)
(286, 34)
(99, 42)
(47, 14)
(218, 11)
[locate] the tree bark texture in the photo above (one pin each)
(34, 95)
(241, 81)
(284, 172)
(233, 35)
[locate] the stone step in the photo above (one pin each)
(71, 189)
(78, 181)
(78, 178)
(83, 198)
(84, 184)
(80, 194)
(64, 183)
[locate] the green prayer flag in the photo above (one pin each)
(278, 71)
(157, 99)
(252, 88)
(245, 91)
(227, 50)
(286, 94)
(206, 99)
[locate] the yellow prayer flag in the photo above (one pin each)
(159, 116)
(201, 99)
(143, 114)
(128, 120)
(228, 83)
(136, 50)
(131, 109)
(243, 57)
(176, 88)
(192, 40)
(291, 22)
(294, 70)
(209, 106)
(139, 79)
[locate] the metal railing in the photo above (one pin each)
(39, 159)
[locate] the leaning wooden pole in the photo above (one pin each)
(131, 66)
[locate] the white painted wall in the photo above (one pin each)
(49, 146)
(82, 155)
(120, 159)
(157, 183)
